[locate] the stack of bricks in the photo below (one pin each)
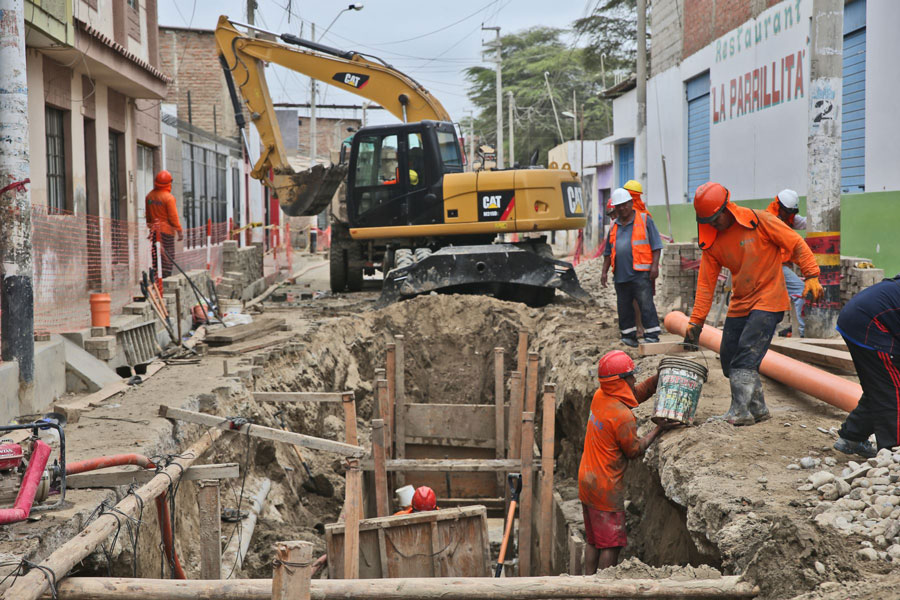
(855, 277)
(677, 285)
(241, 267)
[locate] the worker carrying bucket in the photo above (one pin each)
(752, 245)
(611, 439)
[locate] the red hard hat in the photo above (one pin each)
(424, 499)
(615, 364)
(163, 178)
(710, 200)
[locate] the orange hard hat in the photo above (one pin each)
(615, 364)
(163, 178)
(424, 499)
(710, 200)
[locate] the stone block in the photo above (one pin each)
(49, 375)
(103, 347)
(85, 371)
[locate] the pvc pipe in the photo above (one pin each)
(103, 462)
(22, 508)
(820, 384)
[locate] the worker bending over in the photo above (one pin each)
(750, 244)
(870, 324)
(611, 439)
(785, 206)
(162, 220)
(633, 246)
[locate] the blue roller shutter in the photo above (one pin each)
(853, 119)
(626, 162)
(697, 90)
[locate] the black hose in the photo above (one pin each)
(200, 300)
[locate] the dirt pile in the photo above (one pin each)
(633, 568)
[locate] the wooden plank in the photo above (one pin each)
(837, 343)
(391, 374)
(243, 349)
(210, 532)
(548, 432)
(352, 514)
(378, 455)
(384, 410)
(453, 484)
(447, 442)
(470, 465)
(298, 396)
(829, 357)
(382, 553)
(652, 348)
(522, 351)
(527, 495)
(444, 514)
(576, 555)
(72, 410)
(292, 571)
(115, 478)
(450, 421)
(230, 335)
(499, 411)
(400, 406)
(435, 551)
(516, 400)
(276, 435)
(531, 383)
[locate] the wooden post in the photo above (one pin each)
(391, 368)
(516, 391)
(384, 411)
(378, 454)
(399, 405)
(499, 415)
(210, 529)
(352, 509)
(349, 405)
(179, 315)
(531, 383)
(548, 432)
(522, 351)
(576, 556)
(293, 570)
(526, 499)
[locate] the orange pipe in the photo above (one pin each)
(820, 384)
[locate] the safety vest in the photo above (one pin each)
(641, 253)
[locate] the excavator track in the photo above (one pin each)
(505, 271)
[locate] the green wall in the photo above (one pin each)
(870, 225)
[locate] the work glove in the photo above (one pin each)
(814, 288)
(692, 336)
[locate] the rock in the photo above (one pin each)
(873, 461)
(793, 467)
(843, 487)
(867, 554)
(853, 465)
(830, 461)
(883, 510)
(820, 478)
(850, 504)
(881, 542)
(762, 480)
(896, 458)
(820, 568)
(884, 453)
(892, 529)
(866, 544)
(870, 512)
(820, 508)
(894, 552)
(862, 482)
(806, 487)
(856, 493)
(829, 491)
(880, 480)
(842, 523)
(808, 462)
(877, 472)
(333, 428)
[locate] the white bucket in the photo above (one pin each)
(405, 495)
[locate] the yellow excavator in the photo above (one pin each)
(409, 209)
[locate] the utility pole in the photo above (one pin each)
(16, 267)
(574, 117)
(251, 8)
(512, 134)
(471, 142)
(499, 86)
(823, 199)
(312, 113)
(640, 150)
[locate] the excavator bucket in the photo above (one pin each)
(505, 271)
(310, 191)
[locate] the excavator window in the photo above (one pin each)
(450, 154)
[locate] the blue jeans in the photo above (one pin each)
(795, 288)
(745, 340)
(640, 289)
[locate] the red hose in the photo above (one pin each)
(820, 384)
(162, 507)
(25, 498)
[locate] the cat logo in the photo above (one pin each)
(490, 202)
(354, 80)
(574, 200)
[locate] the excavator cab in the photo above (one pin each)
(396, 173)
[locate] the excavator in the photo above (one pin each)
(408, 207)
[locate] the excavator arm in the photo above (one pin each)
(244, 58)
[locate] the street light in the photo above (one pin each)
(354, 6)
(572, 116)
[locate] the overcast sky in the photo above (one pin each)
(384, 27)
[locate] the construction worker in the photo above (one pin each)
(785, 206)
(390, 172)
(423, 500)
(633, 246)
(870, 324)
(750, 244)
(162, 219)
(636, 190)
(610, 441)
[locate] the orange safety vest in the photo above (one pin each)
(641, 253)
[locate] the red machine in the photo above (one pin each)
(25, 482)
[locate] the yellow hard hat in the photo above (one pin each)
(634, 186)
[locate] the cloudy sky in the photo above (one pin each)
(430, 40)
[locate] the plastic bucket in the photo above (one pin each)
(678, 391)
(405, 495)
(100, 307)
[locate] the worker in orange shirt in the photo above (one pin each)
(162, 218)
(610, 441)
(750, 244)
(786, 207)
(636, 190)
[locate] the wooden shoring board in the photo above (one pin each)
(469, 465)
(260, 431)
(829, 357)
(837, 343)
(652, 348)
(475, 422)
(298, 396)
(100, 479)
(243, 349)
(230, 335)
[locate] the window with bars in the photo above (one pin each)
(204, 190)
(114, 187)
(56, 159)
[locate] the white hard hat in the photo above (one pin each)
(788, 199)
(619, 196)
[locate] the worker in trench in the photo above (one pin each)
(786, 207)
(750, 244)
(633, 247)
(870, 325)
(610, 441)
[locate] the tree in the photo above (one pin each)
(526, 55)
(611, 31)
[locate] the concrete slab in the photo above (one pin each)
(49, 375)
(78, 336)
(9, 391)
(84, 372)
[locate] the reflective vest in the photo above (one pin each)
(641, 253)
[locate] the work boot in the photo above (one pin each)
(757, 406)
(741, 394)
(631, 342)
(863, 449)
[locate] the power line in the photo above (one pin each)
(445, 27)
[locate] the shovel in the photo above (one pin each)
(313, 484)
(515, 488)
